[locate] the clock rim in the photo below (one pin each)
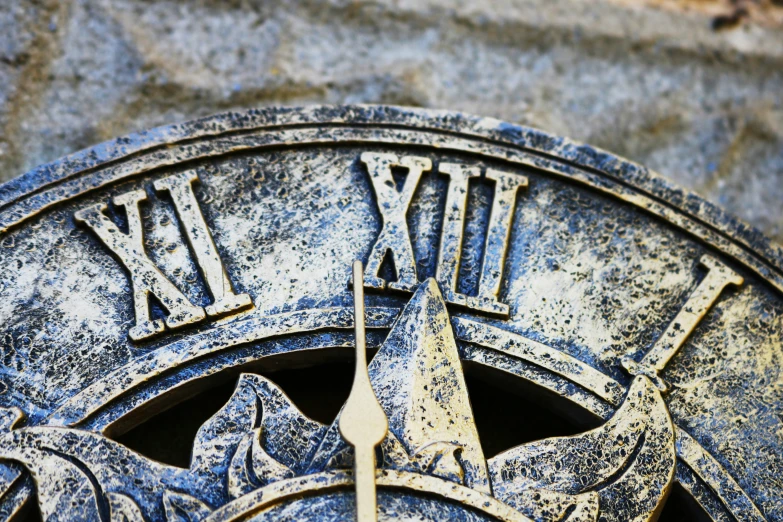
(529, 139)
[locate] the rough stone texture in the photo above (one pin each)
(650, 81)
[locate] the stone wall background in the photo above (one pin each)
(692, 89)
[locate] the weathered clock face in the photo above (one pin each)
(516, 284)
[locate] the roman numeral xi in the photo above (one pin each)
(146, 278)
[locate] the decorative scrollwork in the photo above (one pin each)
(620, 471)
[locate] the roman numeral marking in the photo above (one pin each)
(718, 277)
(395, 238)
(453, 228)
(393, 205)
(496, 243)
(506, 186)
(146, 278)
(180, 186)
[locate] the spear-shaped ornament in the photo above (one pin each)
(363, 423)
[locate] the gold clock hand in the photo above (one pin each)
(363, 423)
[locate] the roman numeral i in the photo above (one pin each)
(146, 278)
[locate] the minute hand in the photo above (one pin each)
(363, 423)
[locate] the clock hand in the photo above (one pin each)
(363, 423)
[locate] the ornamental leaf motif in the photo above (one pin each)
(629, 461)
(122, 508)
(621, 471)
(78, 472)
(180, 507)
(252, 467)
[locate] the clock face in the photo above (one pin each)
(535, 330)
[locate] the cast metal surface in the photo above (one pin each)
(143, 271)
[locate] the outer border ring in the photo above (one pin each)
(15, 191)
